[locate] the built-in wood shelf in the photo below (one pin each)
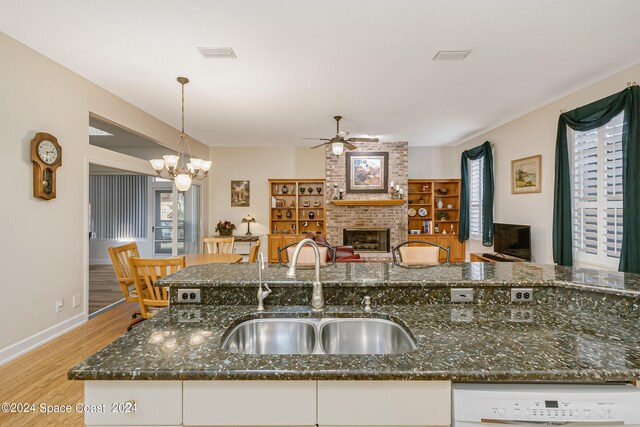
(370, 202)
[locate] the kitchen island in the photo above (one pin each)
(581, 326)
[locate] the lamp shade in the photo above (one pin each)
(157, 164)
(183, 181)
(197, 163)
(206, 165)
(337, 148)
(171, 160)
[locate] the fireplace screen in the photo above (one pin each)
(368, 240)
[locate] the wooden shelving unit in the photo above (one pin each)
(426, 194)
(295, 211)
(369, 202)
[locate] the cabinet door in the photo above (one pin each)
(384, 403)
(457, 250)
(157, 403)
(274, 242)
(445, 242)
(249, 403)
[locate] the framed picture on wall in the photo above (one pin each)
(526, 175)
(367, 172)
(240, 194)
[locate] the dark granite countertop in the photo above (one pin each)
(468, 342)
(384, 274)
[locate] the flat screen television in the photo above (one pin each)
(513, 240)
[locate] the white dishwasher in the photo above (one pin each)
(545, 404)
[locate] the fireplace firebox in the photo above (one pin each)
(367, 239)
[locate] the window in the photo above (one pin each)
(476, 168)
(596, 157)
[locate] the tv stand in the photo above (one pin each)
(478, 257)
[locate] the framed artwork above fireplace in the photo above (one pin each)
(367, 172)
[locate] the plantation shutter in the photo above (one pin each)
(475, 197)
(597, 193)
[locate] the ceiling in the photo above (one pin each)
(300, 62)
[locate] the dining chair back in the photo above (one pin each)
(217, 245)
(120, 256)
(253, 252)
(425, 253)
(146, 272)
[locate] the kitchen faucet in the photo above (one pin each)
(262, 294)
(317, 296)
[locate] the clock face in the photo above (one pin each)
(48, 152)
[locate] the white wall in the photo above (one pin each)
(258, 165)
(532, 134)
(434, 162)
(46, 259)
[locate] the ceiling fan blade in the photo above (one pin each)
(321, 145)
(350, 146)
(363, 140)
(318, 139)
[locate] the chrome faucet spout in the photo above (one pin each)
(317, 298)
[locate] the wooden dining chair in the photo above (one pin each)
(425, 253)
(146, 272)
(217, 245)
(253, 252)
(120, 256)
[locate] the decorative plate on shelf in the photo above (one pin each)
(411, 212)
(422, 212)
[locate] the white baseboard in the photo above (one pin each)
(36, 340)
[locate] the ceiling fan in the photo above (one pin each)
(338, 142)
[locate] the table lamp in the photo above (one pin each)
(248, 219)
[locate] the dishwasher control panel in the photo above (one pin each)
(550, 404)
(552, 409)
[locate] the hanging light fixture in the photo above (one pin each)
(179, 171)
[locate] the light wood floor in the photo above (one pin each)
(40, 376)
(104, 289)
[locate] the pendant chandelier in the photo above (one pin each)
(181, 172)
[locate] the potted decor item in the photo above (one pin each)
(225, 228)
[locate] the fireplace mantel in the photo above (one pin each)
(369, 202)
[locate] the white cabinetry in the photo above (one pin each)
(157, 403)
(271, 403)
(249, 403)
(384, 403)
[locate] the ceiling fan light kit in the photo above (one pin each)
(339, 143)
(180, 172)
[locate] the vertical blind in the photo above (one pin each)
(118, 206)
(475, 197)
(597, 193)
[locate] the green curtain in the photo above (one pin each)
(487, 193)
(586, 118)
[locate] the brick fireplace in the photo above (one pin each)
(340, 218)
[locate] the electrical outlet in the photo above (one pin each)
(59, 305)
(189, 316)
(461, 295)
(521, 294)
(521, 315)
(76, 300)
(189, 296)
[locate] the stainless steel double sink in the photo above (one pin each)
(327, 335)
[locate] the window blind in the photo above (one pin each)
(118, 206)
(475, 197)
(597, 193)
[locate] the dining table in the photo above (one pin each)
(199, 259)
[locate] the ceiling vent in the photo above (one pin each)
(217, 52)
(451, 55)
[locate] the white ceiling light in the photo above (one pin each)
(217, 52)
(451, 55)
(337, 148)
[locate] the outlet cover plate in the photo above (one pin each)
(521, 295)
(189, 296)
(461, 295)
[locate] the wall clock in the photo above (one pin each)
(46, 156)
